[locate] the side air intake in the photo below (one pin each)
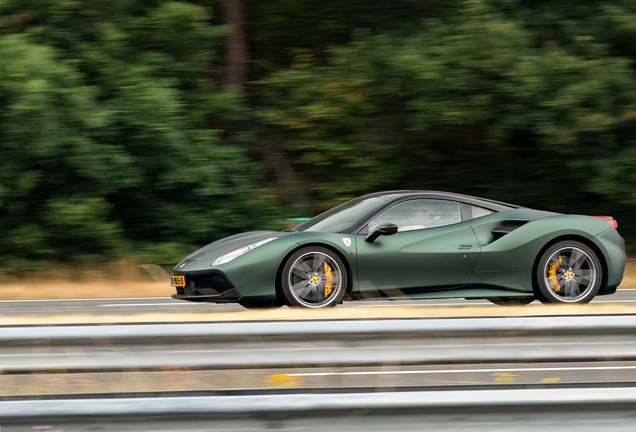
(506, 228)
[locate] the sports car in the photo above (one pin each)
(411, 245)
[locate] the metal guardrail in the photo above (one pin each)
(353, 342)
(307, 344)
(317, 343)
(262, 356)
(249, 404)
(338, 329)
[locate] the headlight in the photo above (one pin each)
(237, 253)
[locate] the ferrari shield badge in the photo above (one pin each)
(346, 241)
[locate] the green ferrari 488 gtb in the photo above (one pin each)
(411, 245)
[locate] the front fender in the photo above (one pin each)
(254, 274)
(344, 244)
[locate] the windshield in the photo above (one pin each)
(344, 216)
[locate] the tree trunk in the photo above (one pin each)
(235, 41)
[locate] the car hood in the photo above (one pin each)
(220, 247)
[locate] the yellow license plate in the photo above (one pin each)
(177, 281)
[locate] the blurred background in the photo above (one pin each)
(133, 132)
(141, 130)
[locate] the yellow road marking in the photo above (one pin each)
(504, 377)
(281, 380)
(550, 380)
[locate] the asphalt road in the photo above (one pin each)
(615, 420)
(131, 306)
(422, 377)
(479, 377)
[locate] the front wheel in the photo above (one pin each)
(568, 272)
(314, 277)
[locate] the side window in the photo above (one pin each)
(477, 212)
(419, 214)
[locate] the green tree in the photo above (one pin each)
(469, 102)
(111, 131)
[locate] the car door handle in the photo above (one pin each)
(465, 246)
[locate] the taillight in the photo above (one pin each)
(610, 220)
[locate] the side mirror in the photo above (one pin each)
(382, 229)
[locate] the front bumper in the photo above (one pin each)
(209, 287)
(220, 298)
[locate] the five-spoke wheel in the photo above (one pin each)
(569, 272)
(314, 277)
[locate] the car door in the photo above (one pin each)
(432, 250)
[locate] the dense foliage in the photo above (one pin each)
(110, 130)
(120, 136)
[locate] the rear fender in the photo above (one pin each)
(518, 249)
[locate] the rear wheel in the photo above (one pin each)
(568, 272)
(314, 277)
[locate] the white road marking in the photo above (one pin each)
(154, 304)
(547, 369)
(423, 305)
(613, 301)
(471, 303)
(86, 299)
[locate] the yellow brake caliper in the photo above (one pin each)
(328, 279)
(552, 275)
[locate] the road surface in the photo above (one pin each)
(131, 306)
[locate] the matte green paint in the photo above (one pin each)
(254, 273)
(612, 245)
(460, 260)
(421, 259)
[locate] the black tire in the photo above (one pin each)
(568, 272)
(313, 277)
(511, 301)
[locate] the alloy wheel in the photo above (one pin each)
(315, 279)
(570, 273)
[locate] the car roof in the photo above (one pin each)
(400, 195)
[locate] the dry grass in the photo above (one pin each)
(59, 289)
(125, 279)
(119, 279)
